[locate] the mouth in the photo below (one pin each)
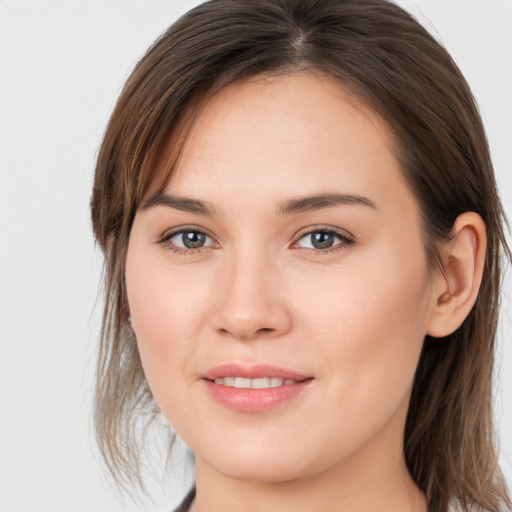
(260, 383)
(254, 388)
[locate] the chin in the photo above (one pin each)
(261, 461)
(273, 471)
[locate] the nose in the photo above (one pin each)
(252, 300)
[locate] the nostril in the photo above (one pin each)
(248, 321)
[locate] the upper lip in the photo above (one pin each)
(253, 372)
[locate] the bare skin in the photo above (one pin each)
(341, 293)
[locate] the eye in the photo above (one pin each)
(186, 241)
(324, 240)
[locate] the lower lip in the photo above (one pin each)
(255, 400)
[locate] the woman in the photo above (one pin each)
(303, 241)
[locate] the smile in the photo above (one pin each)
(254, 388)
(260, 383)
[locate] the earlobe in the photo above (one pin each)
(457, 288)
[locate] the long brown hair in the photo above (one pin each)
(383, 56)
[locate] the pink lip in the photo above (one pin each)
(254, 400)
(253, 372)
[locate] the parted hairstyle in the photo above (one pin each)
(388, 61)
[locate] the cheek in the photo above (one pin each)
(165, 299)
(170, 305)
(369, 323)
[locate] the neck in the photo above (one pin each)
(310, 495)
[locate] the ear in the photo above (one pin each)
(456, 290)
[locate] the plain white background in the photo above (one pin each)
(62, 65)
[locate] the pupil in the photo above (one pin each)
(322, 240)
(193, 239)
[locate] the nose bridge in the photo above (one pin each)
(251, 299)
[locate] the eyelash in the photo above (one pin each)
(345, 241)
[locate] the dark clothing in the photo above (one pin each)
(187, 501)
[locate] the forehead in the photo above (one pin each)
(289, 132)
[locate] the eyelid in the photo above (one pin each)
(347, 239)
(342, 233)
(169, 233)
(165, 238)
(325, 228)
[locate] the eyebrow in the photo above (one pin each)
(185, 204)
(320, 201)
(288, 207)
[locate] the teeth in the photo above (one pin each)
(276, 382)
(260, 383)
(242, 383)
(229, 381)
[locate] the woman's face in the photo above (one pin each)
(279, 288)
